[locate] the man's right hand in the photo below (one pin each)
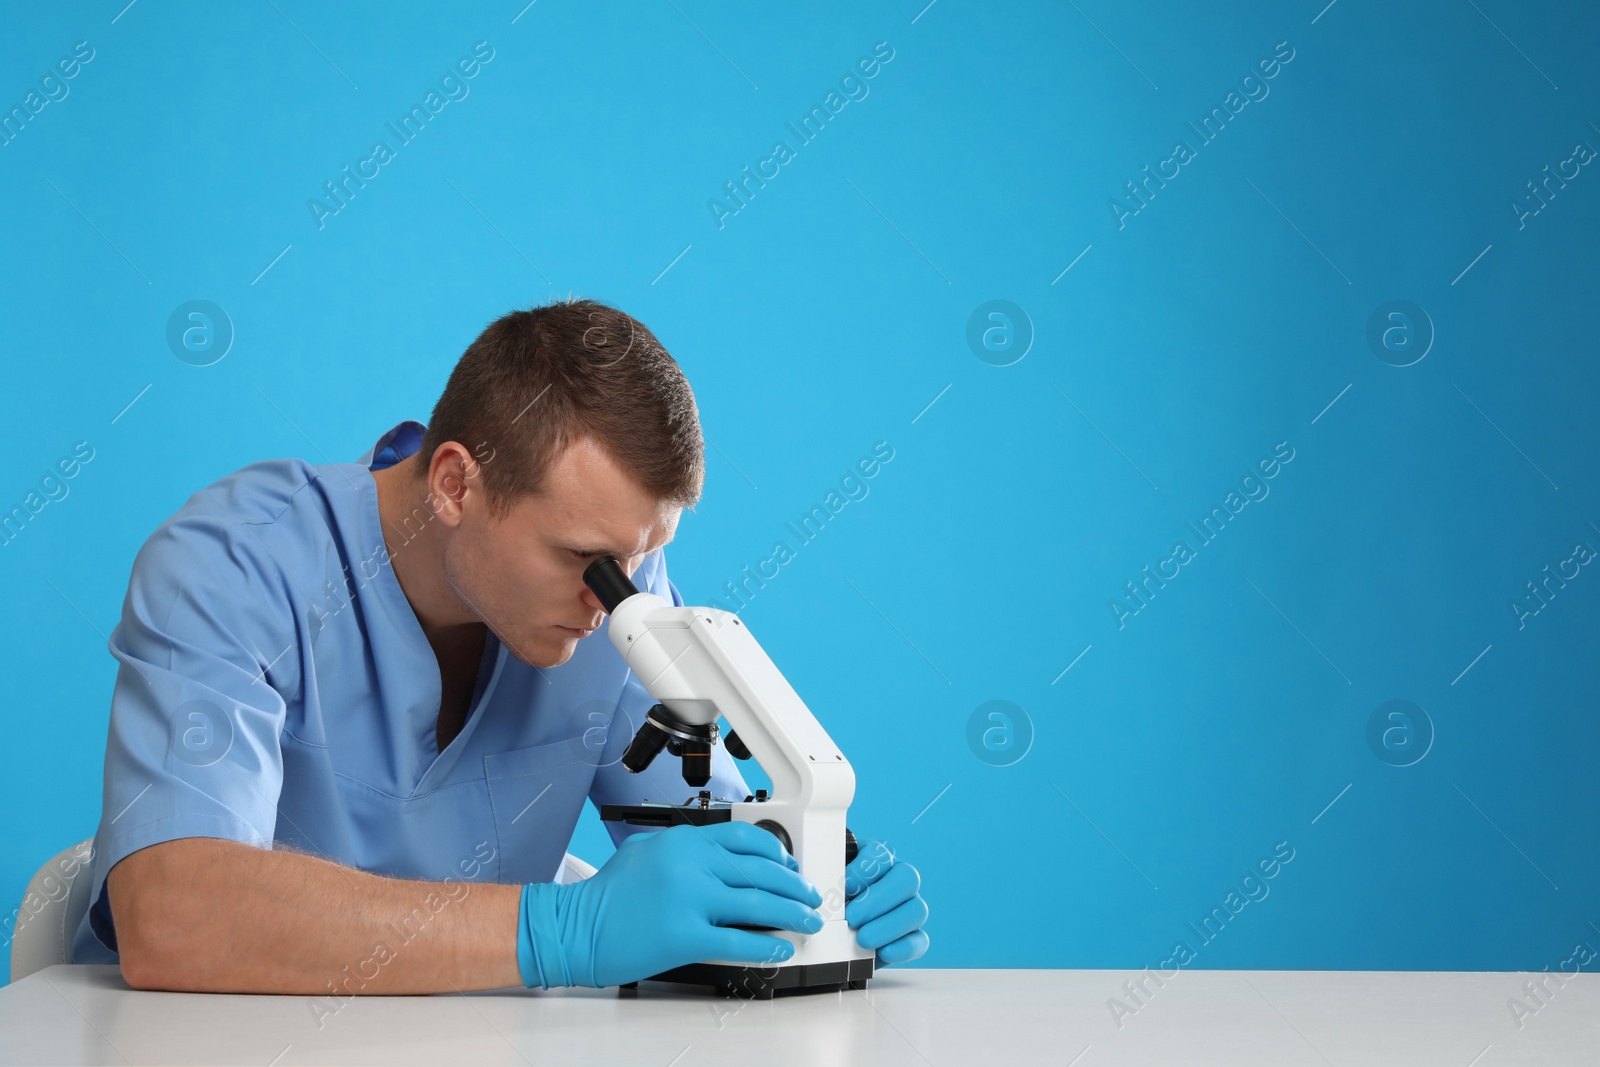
(666, 899)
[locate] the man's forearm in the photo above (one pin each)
(209, 915)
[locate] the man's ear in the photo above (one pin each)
(452, 476)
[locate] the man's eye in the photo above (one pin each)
(579, 555)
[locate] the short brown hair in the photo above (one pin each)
(536, 379)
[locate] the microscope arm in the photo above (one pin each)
(702, 663)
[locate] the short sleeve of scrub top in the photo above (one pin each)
(275, 687)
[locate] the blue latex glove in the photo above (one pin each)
(663, 900)
(883, 905)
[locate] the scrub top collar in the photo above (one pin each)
(394, 446)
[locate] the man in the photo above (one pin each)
(360, 706)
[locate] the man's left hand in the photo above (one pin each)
(883, 904)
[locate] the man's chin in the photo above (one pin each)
(553, 654)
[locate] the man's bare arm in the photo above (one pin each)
(204, 914)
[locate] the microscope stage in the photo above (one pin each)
(665, 814)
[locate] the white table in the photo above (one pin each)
(83, 1014)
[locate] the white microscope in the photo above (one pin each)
(701, 663)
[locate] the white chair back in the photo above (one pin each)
(51, 909)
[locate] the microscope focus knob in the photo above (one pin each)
(777, 830)
(851, 849)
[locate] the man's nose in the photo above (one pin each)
(592, 602)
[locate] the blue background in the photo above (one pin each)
(831, 312)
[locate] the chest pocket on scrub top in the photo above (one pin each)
(537, 794)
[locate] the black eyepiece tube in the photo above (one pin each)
(609, 582)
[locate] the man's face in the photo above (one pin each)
(523, 574)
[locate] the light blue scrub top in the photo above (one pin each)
(275, 686)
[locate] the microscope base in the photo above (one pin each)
(761, 983)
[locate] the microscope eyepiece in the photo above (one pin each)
(609, 581)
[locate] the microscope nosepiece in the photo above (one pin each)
(690, 741)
